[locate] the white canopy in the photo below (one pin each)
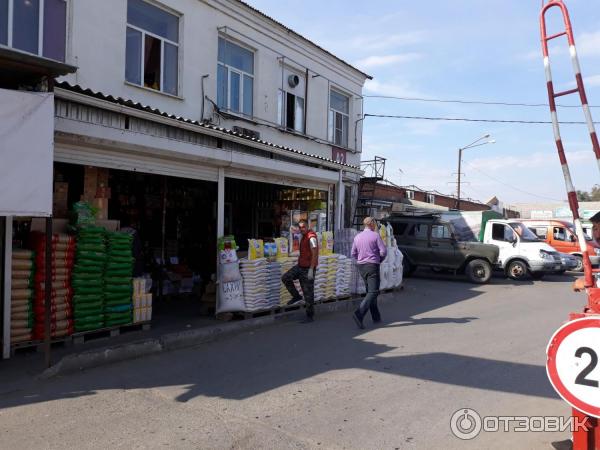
(26, 153)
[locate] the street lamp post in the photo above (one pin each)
(475, 143)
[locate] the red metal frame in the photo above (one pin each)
(582, 439)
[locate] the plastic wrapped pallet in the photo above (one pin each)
(63, 258)
(254, 279)
(22, 315)
(118, 279)
(88, 279)
(273, 283)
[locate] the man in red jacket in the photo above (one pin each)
(304, 271)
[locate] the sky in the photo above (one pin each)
(468, 50)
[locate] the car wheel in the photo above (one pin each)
(517, 270)
(479, 271)
(537, 275)
(579, 266)
(407, 267)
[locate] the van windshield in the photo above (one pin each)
(524, 233)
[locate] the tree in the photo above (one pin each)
(592, 196)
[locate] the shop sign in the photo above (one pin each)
(541, 214)
(26, 148)
(563, 212)
(339, 155)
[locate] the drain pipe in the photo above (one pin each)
(203, 99)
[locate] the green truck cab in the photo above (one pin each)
(428, 241)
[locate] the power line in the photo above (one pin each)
(470, 102)
(509, 185)
(463, 119)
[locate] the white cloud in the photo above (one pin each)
(387, 60)
(588, 44)
(593, 80)
(535, 160)
(395, 88)
(371, 43)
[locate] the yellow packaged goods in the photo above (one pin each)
(383, 232)
(326, 244)
(256, 249)
(282, 247)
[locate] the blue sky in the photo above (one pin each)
(467, 50)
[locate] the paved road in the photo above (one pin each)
(444, 345)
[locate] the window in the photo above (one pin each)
(235, 78)
(152, 47)
(419, 231)
(540, 232)
(502, 232)
(560, 234)
(399, 228)
(35, 26)
(430, 198)
(440, 232)
(410, 195)
(338, 120)
(290, 109)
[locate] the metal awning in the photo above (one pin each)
(19, 68)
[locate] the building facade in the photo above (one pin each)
(190, 118)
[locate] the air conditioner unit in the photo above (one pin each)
(247, 132)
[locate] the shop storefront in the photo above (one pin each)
(174, 187)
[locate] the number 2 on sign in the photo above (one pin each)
(581, 378)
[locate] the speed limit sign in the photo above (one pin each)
(572, 364)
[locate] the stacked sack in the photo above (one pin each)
(63, 258)
(273, 283)
(118, 279)
(254, 276)
(286, 264)
(21, 322)
(325, 277)
(342, 279)
(88, 279)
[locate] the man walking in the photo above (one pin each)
(369, 250)
(304, 271)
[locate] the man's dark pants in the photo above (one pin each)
(370, 274)
(308, 287)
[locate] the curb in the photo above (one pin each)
(185, 339)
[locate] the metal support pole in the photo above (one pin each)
(458, 188)
(7, 287)
(339, 209)
(48, 292)
(221, 203)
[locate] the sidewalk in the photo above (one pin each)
(175, 334)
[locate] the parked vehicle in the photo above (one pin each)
(561, 235)
(569, 262)
(427, 241)
(521, 252)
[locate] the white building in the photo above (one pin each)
(209, 91)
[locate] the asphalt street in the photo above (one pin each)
(445, 344)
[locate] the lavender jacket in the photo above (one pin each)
(368, 248)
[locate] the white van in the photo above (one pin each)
(521, 252)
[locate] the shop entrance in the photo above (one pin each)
(255, 210)
(175, 227)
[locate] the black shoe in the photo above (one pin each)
(376, 321)
(359, 322)
(307, 320)
(294, 301)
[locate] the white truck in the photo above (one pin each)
(521, 252)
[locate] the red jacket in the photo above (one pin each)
(305, 257)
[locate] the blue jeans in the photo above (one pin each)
(370, 274)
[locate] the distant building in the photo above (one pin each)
(387, 197)
(556, 210)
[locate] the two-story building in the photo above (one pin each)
(188, 119)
